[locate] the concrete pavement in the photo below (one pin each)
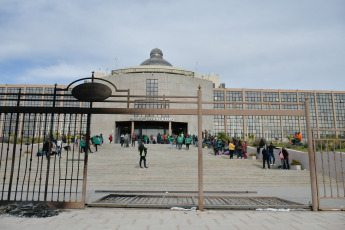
(116, 168)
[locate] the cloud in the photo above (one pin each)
(250, 44)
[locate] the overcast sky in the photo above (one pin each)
(259, 44)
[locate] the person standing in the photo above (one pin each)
(245, 145)
(101, 139)
(270, 149)
(59, 146)
(231, 149)
(286, 159)
(122, 139)
(133, 139)
(265, 158)
(110, 138)
(97, 142)
(126, 140)
(220, 146)
(180, 141)
(142, 154)
(188, 141)
(239, 149)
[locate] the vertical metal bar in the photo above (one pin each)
(334, 115)
(342, 166)
(32, 146)
(27, 155)
(329, 170)
(73, 156)
(14, 150)
(63, 135)
(323, 170)
(67, 156)
(50, 146)
(20, 155)
(86, 152)
(200, 163)
(88, 125)
(40, 158)
(56, 156)
(2, 148)
(315, 204)
(335, 167)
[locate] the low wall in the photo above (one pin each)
(335, 160)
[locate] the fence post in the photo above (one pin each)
(315, 204)
(14, 148)
(200, 163)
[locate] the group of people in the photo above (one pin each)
(269, 157)
(59, 143)
(94, 141)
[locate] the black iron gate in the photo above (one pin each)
(41, 158)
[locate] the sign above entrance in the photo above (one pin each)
(151, 119)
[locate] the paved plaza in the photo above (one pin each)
(115, 168)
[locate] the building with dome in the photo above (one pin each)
(156, 77)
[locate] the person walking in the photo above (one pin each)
(171, 140)
(142, 154)
(110, 138)
(82, 144)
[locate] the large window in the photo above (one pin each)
(234, 96)
(253, 97)
(151, 90)
(218, 96)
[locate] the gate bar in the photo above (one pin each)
(315, 204)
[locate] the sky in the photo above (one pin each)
(253, 44)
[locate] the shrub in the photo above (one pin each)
(295, 162)
(257, 141)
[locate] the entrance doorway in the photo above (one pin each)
(148, 128)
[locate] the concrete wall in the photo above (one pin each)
(336, 161)
(169, 85)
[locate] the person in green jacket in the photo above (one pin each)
(171, 140)
(180, 141)
(188, 141)
(97, 141)
(82, 144)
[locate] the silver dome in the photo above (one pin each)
(156, 58)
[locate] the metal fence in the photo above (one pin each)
(29, 173)
(62, 181)
(329, 164)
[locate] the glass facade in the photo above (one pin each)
(327, 111)
(38, 124)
